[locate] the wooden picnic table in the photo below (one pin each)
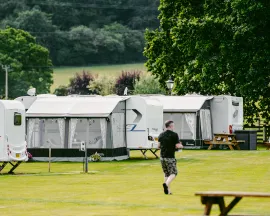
(267, 144)
(217, 197)
(224, 139)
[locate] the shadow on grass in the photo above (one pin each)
(90, 172)
(138, 158)
(188, 160)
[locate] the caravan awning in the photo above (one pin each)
(73, 107)
(182, 103)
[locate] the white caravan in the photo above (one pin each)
(144, 123)
(12, 133)
(227, 113)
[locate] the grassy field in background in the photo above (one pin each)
(62, 75)
(134, 187)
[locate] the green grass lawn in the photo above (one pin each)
(134, 187)
(62, 75)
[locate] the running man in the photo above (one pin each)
(168, 142)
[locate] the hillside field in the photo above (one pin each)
(62, 75)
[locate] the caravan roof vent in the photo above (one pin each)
(31, 92)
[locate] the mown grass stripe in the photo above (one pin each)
(96, 203)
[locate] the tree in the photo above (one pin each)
(82, 45)
(134, 44)
(11, 7)
(148, 85)
(103, 85)
(61, 91)
(214, 47)
(39, 24)
(111, 42)
(84, 32)
(30, 63)
(35, 21)
(139, 14)
(79, 84)
(127, 79)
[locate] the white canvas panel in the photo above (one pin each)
(36, 133)
(46, 133)
(209, 124)
(72, 131)
(95, 138)
(182, 127)
(30, 131)
(205, 123)
(52, 134)
(177, 119)
(191, 122)
(118, 129)
(103, 127)
(61, 125)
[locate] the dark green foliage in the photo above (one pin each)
(215, 47)
(85, 32)
(127, 79)
(61, 91)
(103, 85)
(79, 84)
(30, 63)
(148, 85)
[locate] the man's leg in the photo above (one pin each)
(166, 174)
(173, 172)
(165, 178)
(165, 185)
(169, 181)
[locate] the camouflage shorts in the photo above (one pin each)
(168, 166)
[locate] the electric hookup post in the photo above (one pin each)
(83, 148)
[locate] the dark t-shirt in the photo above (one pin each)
(168, 139)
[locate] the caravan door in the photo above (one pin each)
(237, 118)
(185, 126)
(15, 134)
(206, 126)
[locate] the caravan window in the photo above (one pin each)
(235, 110)
(17, 119)
(45, 133)
(95, 136)
(185, 124)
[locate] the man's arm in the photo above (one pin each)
(159, 141)
(178, 144)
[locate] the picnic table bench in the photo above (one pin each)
(224, 139)
(217, 197)
(267, 144)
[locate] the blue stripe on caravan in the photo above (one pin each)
(136, 131)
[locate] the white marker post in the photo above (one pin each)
(83, 148)
(50, 153)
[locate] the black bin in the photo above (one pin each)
(250, 137)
